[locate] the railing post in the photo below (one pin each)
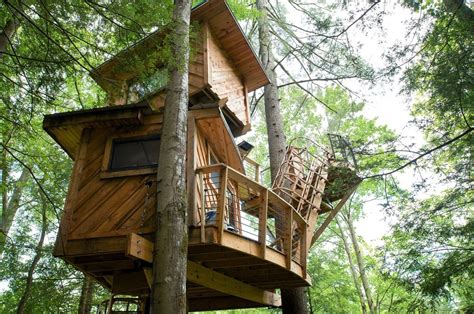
(262, 221)
(203, 207)
(289, 235)
(222, 204)
(257, 173)
(304, 250)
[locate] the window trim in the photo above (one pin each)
(106, 172)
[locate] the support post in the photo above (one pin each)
(289, 235)
(203, 207)
(332, 214)
(262, 220)
(211, 279)
(222, 204)
(303, 250)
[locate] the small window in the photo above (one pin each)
(135, 153)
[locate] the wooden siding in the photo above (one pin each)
(112, 206)
(227, 30)
(226, 80)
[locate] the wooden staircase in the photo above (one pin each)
(307, 179)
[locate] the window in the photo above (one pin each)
(215, 176)
(134, 153)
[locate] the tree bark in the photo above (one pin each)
(7, 34)
(34, 263)
(171, 238)
(353, 269)
(275, 132)
(87, 291)
(360, 263)
(294, 300)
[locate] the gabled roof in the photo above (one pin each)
(222, 23)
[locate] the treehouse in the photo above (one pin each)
(245, 240)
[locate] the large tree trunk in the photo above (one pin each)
(353, 269)
(7, 34)
(36, 258)
(294, 300)
(360, 263)
(87, 292)
(276, 136)
(171, 238)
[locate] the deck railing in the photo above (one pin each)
(234, 203)
(252, 169)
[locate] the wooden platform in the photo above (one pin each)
(230, 275)
(242, 259)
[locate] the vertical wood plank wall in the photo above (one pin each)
(225, 80)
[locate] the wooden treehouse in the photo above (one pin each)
(245, 240)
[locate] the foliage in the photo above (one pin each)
(436, 232)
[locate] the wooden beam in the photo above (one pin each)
(332, 214)
(95, 118)
(203, 208)
(211, 168)
(139, 247)
(237, 176)
(208, 278)
(204, 114)
(289, 238)
(149, 275)
(262, 222)
(219, 303)
(205, 45)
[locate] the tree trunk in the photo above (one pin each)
(87, 292)
(294, 300)
(353, 269)
(36, 258)
(361, 264)
(7, 34)
(276, 136)
(171, 238)
(10, 206)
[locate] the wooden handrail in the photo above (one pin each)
(266, 197)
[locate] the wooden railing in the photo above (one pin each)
(234, 203)
(252, 169)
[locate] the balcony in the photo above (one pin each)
(238, 213)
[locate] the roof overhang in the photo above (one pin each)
(66, 128)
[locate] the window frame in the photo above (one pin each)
(107, 172)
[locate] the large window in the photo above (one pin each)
(134, 153)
